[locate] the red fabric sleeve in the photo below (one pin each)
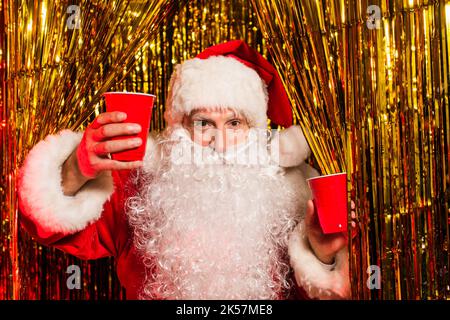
(105, 237)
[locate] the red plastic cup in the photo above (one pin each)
(138, 107)
(330, 199)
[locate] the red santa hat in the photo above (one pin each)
(233, 75)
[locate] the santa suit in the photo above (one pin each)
(92, 223)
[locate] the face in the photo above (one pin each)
(217, 128)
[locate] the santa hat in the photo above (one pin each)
(230, 74)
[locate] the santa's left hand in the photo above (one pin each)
(324, 246)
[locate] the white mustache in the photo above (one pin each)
(254, 151)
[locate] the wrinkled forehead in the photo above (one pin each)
(227, 112)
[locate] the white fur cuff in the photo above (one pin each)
(41, 192)
(312, 275)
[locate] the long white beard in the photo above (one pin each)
(212, 231)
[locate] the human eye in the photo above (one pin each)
(201, 123)
(234, 123)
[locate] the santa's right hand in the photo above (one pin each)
(96, 144)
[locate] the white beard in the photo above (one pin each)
(214, 230)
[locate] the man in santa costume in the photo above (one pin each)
(214, 211)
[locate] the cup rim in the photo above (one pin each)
(130, 93)
(327, 175)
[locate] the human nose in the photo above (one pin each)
(219, 140)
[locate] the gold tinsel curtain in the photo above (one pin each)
(372, 101)
(370, 83)
(52, 79)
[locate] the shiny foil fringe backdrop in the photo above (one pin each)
(55, 74)
(53, 77)
(373, 100)
(375, 103)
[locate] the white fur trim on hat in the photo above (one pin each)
(312, 275)
(41, 192)
(218, 81)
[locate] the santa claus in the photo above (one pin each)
(217, 209)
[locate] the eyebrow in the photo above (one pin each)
(199, 114)
(234, 116)
(201, 117)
